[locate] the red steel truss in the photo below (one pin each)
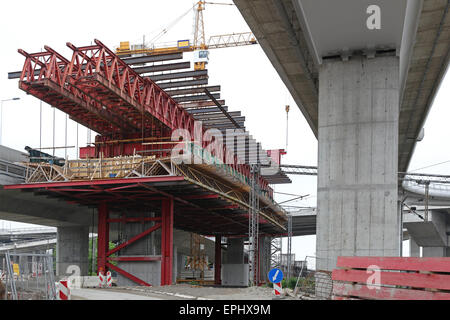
(100, 91)
(165, 223)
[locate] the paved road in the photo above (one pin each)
(105, 294)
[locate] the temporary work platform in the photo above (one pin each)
(131, 167)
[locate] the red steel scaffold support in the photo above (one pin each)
(165, 222)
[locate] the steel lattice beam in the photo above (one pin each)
(299, 169)
(99, 90)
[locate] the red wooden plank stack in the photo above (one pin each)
(399, 278)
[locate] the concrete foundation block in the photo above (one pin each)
(235, 275)
(72, 249)
(148, 271)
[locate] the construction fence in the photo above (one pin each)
(27, 276)
(312, 283)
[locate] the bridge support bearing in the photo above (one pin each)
(358, 159)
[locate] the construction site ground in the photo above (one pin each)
(176, 292)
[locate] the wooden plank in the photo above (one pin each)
(417, 280)
(163, 67)
(396, 263)
(385, 293)
(202, 106)
(153, 58)
(195, 97)
(178, 75)
(179, 84)
(178, 92)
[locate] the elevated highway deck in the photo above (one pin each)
(296, 37)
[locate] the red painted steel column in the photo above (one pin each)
(103, 237)
(218, 261)
(167, 241)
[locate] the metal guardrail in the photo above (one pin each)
(28, 230)
(12, 169)
(28, 243)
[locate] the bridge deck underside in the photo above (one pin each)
(290, 56)
(195, 209)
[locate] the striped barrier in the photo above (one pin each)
(101, 279)
(108, 279)
(277, 289)
(63, 290)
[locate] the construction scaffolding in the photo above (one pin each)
(276, 245)
(197, 262)
(253, 232)
(289, 248)
(211, 189)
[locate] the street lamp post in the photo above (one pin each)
(1, 114)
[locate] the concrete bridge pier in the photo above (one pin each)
(234, 271)
(436, 251)
(432, 234)
(72, 248)
(414, 248)
(358, 158)
(264, 257)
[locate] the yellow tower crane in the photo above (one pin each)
(199, 45)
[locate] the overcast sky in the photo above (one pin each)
(248, 81)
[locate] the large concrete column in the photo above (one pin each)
(234, 271)
(235, 251)
(436, 252)
(414, 248)
(431, 235)
(358, 159)
(72, 248)
(264, 257)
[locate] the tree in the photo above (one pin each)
(93, 259)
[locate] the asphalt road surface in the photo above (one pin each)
(102, 294)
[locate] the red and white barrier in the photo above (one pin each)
(277, 289)
(101, 279)
(108, 279)
(34, 269)
(63, 290)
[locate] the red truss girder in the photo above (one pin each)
(166, 258)
(100, 91)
